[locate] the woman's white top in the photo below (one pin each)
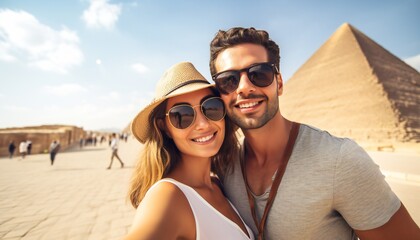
(209, 223)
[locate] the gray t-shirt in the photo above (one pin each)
(330, 187)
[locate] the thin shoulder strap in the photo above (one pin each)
(294, 131)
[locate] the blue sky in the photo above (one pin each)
(95, 63)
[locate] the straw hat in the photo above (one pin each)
(180, 79)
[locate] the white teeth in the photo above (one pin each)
(247, 105)
(203, 139)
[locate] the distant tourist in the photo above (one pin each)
(114, 148)
(23, 149)
(29, 146)
(94, 139)
(54, 148)
(12, 148)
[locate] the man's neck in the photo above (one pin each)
(268, 141)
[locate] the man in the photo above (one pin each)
(23, 149)
(12, 148)
(54, 148)
(114, 148)
(322, 187)
(29, 146)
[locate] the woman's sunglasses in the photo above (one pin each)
(261, 75)
(182, 116)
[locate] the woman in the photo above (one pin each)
(185, 139)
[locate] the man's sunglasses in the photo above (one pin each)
(260, 74)
(182, 116)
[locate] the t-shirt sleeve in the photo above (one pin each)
(361, 194)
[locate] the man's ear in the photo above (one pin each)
(162, 126)
(279, 84)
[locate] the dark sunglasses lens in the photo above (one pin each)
(261, 75)
(227, 82)
(213, 109)
(181, 116)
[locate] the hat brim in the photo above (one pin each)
(141, 126)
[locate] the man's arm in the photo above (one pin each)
(399, 226)
(367, 202)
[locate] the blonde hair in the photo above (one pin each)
(160, 155)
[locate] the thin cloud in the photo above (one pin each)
(89, 115)
(24, 38)
(140, 68)
(15, 109)
(101, 14)
(65, 89)
(414, 62)
(110, 97)
(4, 50)
(114, 95)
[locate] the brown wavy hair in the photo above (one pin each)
(160, 155)
(238, 35)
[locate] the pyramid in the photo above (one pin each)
(353, 87)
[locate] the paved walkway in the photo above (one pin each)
(402, 172)
(78, 198)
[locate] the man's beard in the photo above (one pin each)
(249, 122)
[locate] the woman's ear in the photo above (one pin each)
(162, 126)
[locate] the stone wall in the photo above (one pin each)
(41, 137)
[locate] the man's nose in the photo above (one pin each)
(245, 85)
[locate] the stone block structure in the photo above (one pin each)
(41, 137)
(353, 87)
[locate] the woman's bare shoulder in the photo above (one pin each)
(164, 207)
